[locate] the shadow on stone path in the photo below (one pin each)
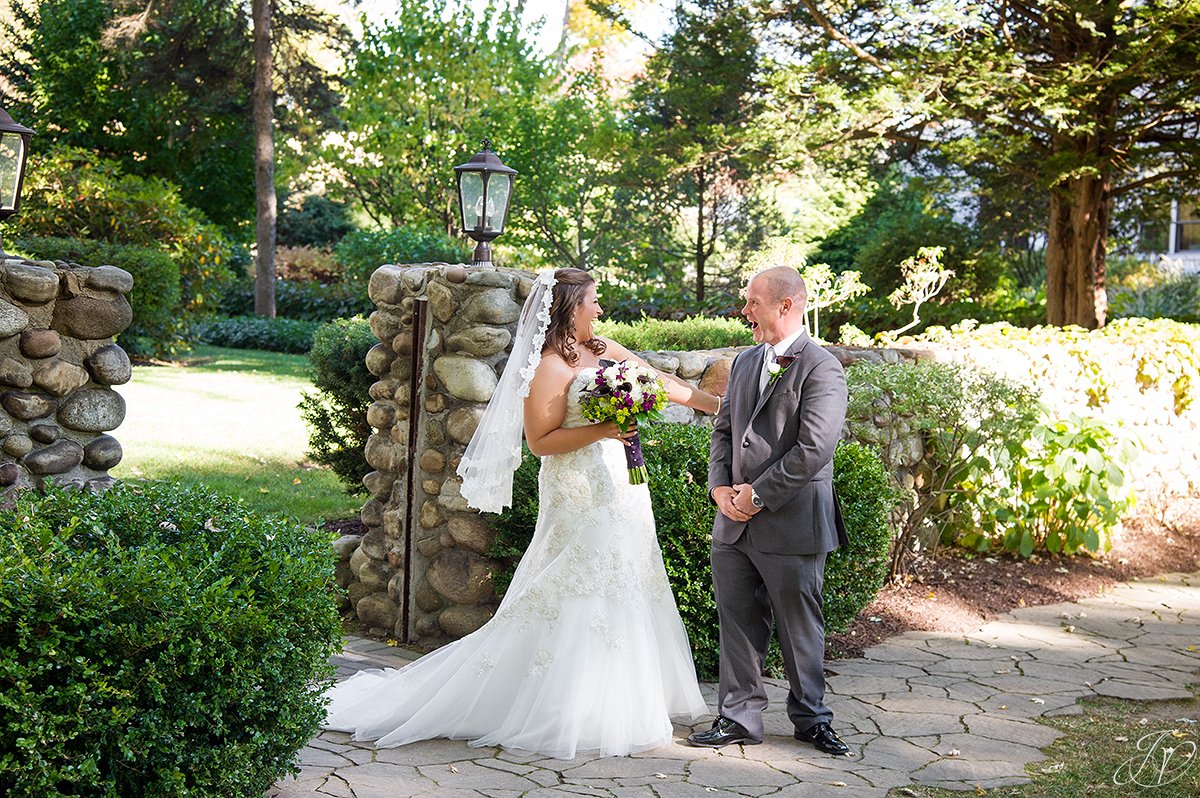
(952, 710)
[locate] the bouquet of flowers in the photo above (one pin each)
(620, 393)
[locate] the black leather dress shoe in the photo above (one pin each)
(824, 738)
(723, 732)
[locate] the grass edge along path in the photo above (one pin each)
(1115, 747)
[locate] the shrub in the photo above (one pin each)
(258, 332)
(677, 459)
(155, 298)
(304, 264)
(337, 412)
(73, 193)
(316, 222)
(303, 301)
(963, 414)
(1061, 490)
(158, 641)
(695, 332)
(364, 251)
(629, 303)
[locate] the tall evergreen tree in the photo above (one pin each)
(1087, 101)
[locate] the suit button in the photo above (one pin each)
(745, 444)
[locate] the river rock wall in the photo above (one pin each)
(58, 363)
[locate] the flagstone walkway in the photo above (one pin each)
(953, 710)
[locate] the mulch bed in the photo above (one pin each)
(958, 591)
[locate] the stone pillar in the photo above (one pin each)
(421, 572)
(57, 365)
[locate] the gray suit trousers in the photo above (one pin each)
(752, 587)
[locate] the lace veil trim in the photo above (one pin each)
(495, 449)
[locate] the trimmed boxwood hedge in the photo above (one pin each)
(677, 459)
(159, 641)
(258, 332)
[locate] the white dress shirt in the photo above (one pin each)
(770, 353)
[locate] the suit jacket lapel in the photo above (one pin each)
(792, 351)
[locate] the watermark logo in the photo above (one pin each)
(1161, 759)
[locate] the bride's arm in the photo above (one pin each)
(678, 391)
(546, 408)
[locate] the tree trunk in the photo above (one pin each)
(701, 253)
(1080, 212)
(264, 161)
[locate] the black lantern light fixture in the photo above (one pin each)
(484, 191)
(14, 149)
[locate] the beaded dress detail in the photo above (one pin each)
(586, 653)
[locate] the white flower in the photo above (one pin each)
(612, 375)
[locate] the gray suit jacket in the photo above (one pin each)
(782, 443)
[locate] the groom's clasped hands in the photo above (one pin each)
(736, 502)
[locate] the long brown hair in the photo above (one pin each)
(570, 285)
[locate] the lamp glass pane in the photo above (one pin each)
(470, 192)
(499, 187)
(12, 156)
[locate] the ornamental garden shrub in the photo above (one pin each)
(158, 641)
(156, 327)
(364, 251)
(677, 459)
(961, 413)
(306, 300)
(258, 332)
(1063, 490)
(336, 413)
(692, 333)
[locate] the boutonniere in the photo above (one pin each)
(775, 370)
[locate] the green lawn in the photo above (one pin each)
(228, 418)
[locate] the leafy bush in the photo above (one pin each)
(1166, 352)
(364, 251)
(336, 413)
(303, 264)
(258, 332)
(158, 641)
(316, 222)
(963, 414)
(303, 301)
(155, 297)
(73, 193)
(1061, 490)
(695, 332)
(677, 459)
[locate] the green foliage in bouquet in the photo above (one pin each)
(677, 459)
(336, 413)
(158, 641)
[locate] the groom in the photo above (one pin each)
(771, 476)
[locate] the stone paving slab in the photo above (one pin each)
(943, 709)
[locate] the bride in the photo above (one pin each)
(586, 653)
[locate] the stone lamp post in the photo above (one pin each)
(484, 191)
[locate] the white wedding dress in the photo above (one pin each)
(586, 653)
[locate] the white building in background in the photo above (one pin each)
(1183, 237)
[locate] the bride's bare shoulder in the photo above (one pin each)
(553, 371)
